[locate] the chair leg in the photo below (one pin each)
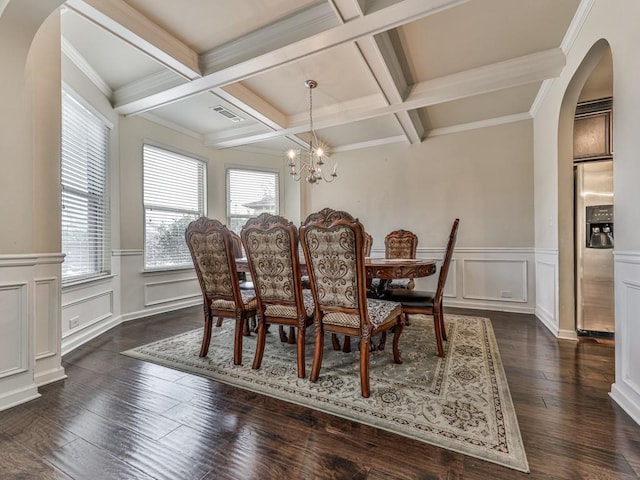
(364, 367)
(438, 332)
(300, 348)
(317, 354)
(206, 335)
(397, 330)
(441, 320)
(406, 319)
(219, 322)
(335, 342)
(237, 343)
(346, 347)
(283, 336)
(262, 338)
(383, 340)
(292, 336)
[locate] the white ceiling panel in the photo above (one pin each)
(117, 62)
(392, 72)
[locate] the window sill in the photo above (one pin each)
(85, 282)
(165, 270)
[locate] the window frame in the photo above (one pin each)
(102, 257)
(191, 156)
(276, 172)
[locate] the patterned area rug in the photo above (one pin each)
(461, 403)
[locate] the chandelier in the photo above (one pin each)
(310, 161)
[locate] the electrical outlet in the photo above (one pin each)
(74, 322)
(506, 294)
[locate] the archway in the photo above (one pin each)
(566, 240)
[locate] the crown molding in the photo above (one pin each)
(370, 143)
(490, 122)
(81, 63)
(127, 23)
(173, 126)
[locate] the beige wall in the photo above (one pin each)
(484, 177)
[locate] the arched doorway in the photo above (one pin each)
(566, 221)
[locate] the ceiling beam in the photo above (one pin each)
(518, 71)
(134, 28)
(374, 23)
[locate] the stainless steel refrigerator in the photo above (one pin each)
(594, 234)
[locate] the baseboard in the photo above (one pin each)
(547, 320)
(50, 376)
(620, 396)
(568, 335)
(147, 312)
(17, 397)
(75, 340)
(489, 306)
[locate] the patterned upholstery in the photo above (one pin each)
(289, 311)
(211, 245)
(332, 255)
(380, 312)
(333, 244)
(271, 259)
(248, 299)
(271, 243)
(210, 255)
(400, 248)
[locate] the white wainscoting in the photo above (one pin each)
(626, 389)
(483, 278)
(546, 273)
(29, 330)
(87, 311)
(171, 290)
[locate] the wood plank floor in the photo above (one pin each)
(120, 418)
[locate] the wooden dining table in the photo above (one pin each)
(386, 269)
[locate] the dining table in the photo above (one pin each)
(386, 269)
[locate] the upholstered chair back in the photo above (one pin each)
(271, 243)
(401, 244)
(333, 244)
(368, 243)
(211, 248)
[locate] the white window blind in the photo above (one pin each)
(174, 195)
(250, 193)
(85, 192)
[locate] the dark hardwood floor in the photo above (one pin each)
(118, 418)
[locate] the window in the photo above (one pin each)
(250, 193)
(174, 195)
(85, 192)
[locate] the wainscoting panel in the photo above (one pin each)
(14, 328)
(86, 311)
(46, 314)
(170, 290)
(626, 389)
(499, 280)
(484, 278)
(547, 289)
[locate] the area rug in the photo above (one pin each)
(461, 403)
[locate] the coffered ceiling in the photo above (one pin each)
(387, 70)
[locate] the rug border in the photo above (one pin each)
(499, 370)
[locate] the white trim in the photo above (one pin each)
(147, 286)
(18, 396)
(490, 122)
(127, 252)
(498, 307)
(127, 317)
(85, 67)
(79, 337)
(49, 376)
(620, 394)
(371, 143)
(525, 283)
(30, 259)
(80, 99)
(568, 335)
(546, 318)
(632, 258)
(80, 284)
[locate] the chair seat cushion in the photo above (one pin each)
(380, 312)
(410, 298)
(248, 298)
(289, 311)
(246, 285)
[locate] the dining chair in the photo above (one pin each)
(211, 247)
(271, 243)
(429, 303)
(333, 245)
(397, 244)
